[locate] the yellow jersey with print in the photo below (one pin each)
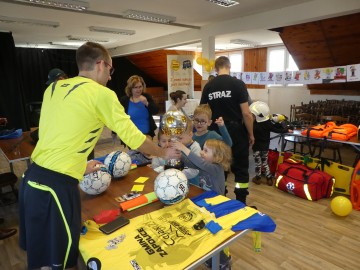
(73, 114)
(170, 238)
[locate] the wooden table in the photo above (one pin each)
(92, 205)
(17, 149)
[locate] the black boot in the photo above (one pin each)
(241, 194)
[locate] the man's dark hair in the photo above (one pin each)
(89, 53)
(222, 62)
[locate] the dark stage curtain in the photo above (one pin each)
(11, 96)
(23, 80)
(35, 64)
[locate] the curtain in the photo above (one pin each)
(11, 96)
(24, 74)
(35, 64)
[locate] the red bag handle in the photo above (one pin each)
(300, 169)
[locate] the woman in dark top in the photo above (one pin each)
(139, 105)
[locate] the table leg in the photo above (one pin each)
(11, 167)
(282, 143)
(215, 260)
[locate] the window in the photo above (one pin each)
(279, 59)
(276, 60)
(291, 64)
(236, 60)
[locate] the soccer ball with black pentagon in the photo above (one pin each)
(118, 163)
(171, 186)
(96, 182)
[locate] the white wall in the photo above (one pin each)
(279, 99)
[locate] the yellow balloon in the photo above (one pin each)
(212, 63)
(199, 60)
(208, 67)
(205, 61)
(341, 206)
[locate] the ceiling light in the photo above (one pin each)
(111, 30)
(87, 39)
(244, 43)
(150, 17)
(5, 19)
(73, 44)
(224, 3)
(66, 4)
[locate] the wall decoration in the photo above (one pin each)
(353, 73)
(180, 74)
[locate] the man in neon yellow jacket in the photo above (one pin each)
(73, 114)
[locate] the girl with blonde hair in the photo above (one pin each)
(214, 159)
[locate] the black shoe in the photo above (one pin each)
(225, 262)
(241, 194)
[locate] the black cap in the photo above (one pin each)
(54, 74)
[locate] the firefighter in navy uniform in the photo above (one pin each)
(228, 97)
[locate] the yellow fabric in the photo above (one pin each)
(228, 220)
(216, 200)
(164, 239)
(72, 118)
(257, 241)
(170, 238)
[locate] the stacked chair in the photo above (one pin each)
(305, 120)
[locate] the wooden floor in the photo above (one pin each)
(308, 235)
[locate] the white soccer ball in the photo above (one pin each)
(96, 182)
(119, 163)
(171, 186)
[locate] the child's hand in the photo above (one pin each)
(181, 147)
(171, 153)
(219, 121)
(178, 145)
(185, 139)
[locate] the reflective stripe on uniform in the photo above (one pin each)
(242, 185)
(49, 189)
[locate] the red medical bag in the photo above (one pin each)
(273, 156)
(297, 179)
